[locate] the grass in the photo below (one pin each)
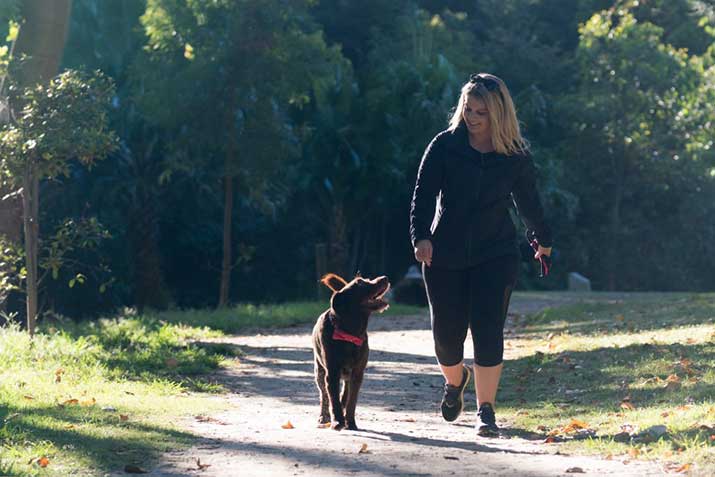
(246, 318)
(598, 375)
(94, 397)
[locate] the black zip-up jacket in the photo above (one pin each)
(470, 222)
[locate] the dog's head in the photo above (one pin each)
(352, 302)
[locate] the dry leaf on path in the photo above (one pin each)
(201, 466)
(123, 417)
(288, 425)
(627, 405)
(43, 461)
(363, 449)
(58, 375)
(633, 452)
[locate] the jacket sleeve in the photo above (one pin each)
(528, 204)
(427, 186)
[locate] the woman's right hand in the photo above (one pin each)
(423, 252)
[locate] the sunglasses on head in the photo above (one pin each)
(488, 83)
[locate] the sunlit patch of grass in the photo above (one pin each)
(93, 398)
(621, 366)
(248, 316)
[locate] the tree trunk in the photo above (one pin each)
(30, 202)
(227, 224)
(611, 243)
(41, 40)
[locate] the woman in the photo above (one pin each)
(467, 243)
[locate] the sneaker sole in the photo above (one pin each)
(461, 397)
(488, 433)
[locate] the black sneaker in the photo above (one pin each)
(486, 421)
(453, 399)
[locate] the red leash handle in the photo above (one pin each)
(545, 260)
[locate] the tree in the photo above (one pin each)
(238, 67)
(629, 118)
(63, 120)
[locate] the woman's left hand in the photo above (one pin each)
(542, 251)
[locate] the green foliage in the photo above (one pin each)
(58, 122)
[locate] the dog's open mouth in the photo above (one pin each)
(376, 302)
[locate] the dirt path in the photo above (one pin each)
(401, 429)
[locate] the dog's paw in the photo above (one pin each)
(338, 426)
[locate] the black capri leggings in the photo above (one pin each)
(476, 298)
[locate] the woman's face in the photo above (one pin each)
(476, 116)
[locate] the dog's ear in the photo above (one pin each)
(338, 302)
(333, 281)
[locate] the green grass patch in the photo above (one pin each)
(246, 317)
(621, 364)
(94, 397)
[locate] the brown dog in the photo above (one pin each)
(340, 344)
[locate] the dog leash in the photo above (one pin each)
(545, 260)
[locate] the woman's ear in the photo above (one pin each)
(333, 281)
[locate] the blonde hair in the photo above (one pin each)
(506, 134)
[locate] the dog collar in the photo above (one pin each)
(341, 335)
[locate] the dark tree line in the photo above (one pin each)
(250, 132)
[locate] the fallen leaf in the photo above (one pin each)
(575, 470)
(134, 469)
(69, 426)
(288, 425)
(43, 461)
(123, 417)
(575, 425)
(28, 397)
(633, 452)
(363, 449)
(58, 375)
(88, 402)
(664, 414)
(70, 402)
(627, 405)
(409, 419)
(683, 468)
(201, 466)
(549, 440)
(609, 457)
(673, 378)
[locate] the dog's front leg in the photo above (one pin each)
(332, 379)
(320, 382)
(354, 388)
